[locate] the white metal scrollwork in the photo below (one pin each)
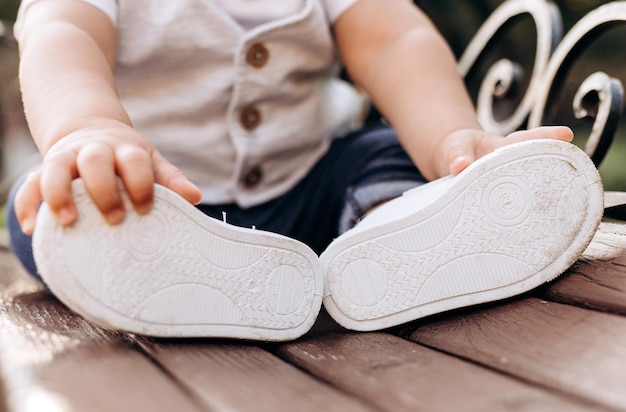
(504, 75)
(599, 97)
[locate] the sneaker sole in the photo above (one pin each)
(513, 220)
(178, 273)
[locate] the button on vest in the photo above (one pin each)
(257, 55)
(250, 118)
(253, 177)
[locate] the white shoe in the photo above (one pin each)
(178, 273)
(511, 221)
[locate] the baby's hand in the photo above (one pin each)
(459, 149)
(99, 155)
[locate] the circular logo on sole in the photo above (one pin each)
(507, 201)
(147, 235)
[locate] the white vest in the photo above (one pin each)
(244, 114)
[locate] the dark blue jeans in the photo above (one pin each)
(359, 171)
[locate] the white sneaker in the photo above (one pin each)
(178, 273)
(511, 221)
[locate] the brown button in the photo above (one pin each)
(258, 55)
(253, 177)
(250, 118)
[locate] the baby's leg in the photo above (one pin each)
(176, 272)
(511, 221)
(20, 244)
(359, 171)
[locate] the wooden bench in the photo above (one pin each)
(559, 348)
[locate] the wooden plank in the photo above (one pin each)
(53, 360)
(235, 376)
(615, 205)
(566, 348)
(598, 279)
(397, 375)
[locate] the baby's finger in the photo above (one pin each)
(170, 176)
(58, 170)
(96, 166)
(26, 203)
(134, 166)
(459, 155)
(545, 132)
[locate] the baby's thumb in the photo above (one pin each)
(459, 157)
(168, 175)
(459, 163)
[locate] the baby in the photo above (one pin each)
(144, 108)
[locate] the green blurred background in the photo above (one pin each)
(458, 20)
(8, 9)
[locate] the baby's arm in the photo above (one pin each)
(392, 50)
(67, 57)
